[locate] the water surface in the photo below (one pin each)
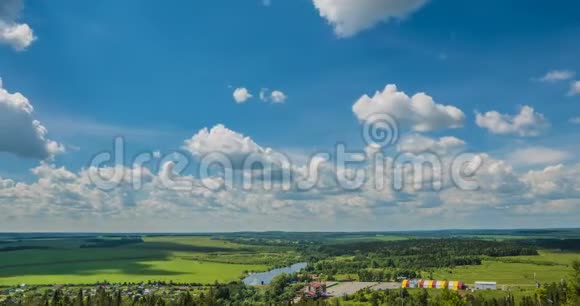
(265, 278)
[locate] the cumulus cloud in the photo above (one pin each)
(220, 139)
(443, 146)
(419, 112)
(348, 17)
(141, 195)
(20, 132)
(241, 95)
(526, 123)
(276, 96)
(558, 75)
(552, 190)
(57, 192)
(17, 35)
(538, 156)
(498, 176)
(555, 182)
(60, 193)
(574, 88)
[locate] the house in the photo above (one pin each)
(485, 285)
(315, 290)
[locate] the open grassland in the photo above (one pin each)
(119, 270)
(195, 259)
(549, 266)
(195, 241)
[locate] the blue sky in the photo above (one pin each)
(158, 74)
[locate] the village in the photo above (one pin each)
(17, 294)
(313, 290)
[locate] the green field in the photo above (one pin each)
(549, 266)
(178, 259)
(119, 270)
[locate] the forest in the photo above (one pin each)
(389, 260)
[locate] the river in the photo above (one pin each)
(265, 278)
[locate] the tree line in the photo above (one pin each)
(388, 260)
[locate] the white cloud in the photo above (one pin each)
(241, 95)
(20, 132)
(443, 146)
(419, 112)
(498, 176)
(555, 182)
(574, 88)
(348, 17)
(526, 123)
(220, 139)
(58, 194)
(17, 35)
(558, 75)
(276, 96)
(264, 94)
(575, 120)
(538, 156)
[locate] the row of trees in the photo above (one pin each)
(432, 247)
(404, 267)
(380, 275)
(402, 258)
(110, 243)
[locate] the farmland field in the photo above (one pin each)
(549, 267)
(178, 259)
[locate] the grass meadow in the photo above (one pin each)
(549, 266)
(516, 271)
(178, 259)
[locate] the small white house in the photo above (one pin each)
(485, 285)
